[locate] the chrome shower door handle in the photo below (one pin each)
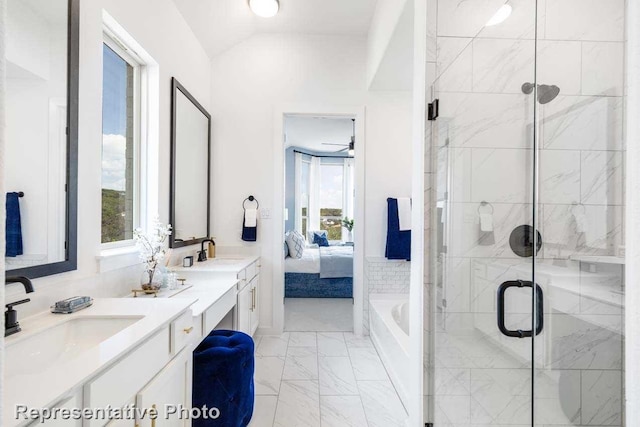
(520, 333)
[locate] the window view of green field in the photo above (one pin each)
(331, 220)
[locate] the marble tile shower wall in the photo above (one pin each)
(483, 153)
(385, 277)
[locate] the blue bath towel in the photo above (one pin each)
(13, 226)
(398, 242)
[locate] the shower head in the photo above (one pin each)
(545, 94)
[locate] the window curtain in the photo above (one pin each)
(299, 191)
(348, 190)
(314, 194)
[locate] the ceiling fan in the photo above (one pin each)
(350, 146)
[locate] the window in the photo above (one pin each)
(120, 143)
(331, 199)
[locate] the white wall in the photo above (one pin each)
(160, 29)
(269, 70)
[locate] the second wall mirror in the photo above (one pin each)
(190, 168)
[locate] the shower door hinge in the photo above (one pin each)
(434, 110)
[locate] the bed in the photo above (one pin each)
(325, 272)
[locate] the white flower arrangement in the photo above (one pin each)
(152, 245)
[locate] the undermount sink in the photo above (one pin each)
(37, 353)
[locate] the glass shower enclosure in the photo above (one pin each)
(526, 170)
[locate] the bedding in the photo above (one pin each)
(329, 262)
(309, 263)
(336, 262)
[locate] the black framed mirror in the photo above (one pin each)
(42, 133)
(189, 210)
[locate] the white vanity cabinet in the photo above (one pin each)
(169, 392)
(247, 308)
(158, 372)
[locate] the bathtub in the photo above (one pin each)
(389, 329)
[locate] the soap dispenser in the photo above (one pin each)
(212, 248)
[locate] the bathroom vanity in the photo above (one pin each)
(114, 353)
(127, 352)
(205, 275)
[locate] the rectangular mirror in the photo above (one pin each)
(41, 129)
(190, 168)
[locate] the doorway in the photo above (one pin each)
(318, 285)
(319, 212)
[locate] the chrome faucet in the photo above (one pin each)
(11, 325)
(202, 255)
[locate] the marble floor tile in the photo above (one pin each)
(268, 375)
(273, 345)
(336, 376)
(332, 344)
(298, 405)
(367, 364)
(302, 339)
(318, 314)
(354, 341)
(301, 363)
(342, 411)
(264, 410)
(382, 405)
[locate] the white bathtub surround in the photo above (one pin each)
(339, 381)
(389, 330)
(383, 276)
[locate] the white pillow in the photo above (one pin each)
(295, 241)
(310, 234)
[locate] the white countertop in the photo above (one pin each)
(205, 290)
(44, 389)
(221, 264)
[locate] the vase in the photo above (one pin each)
(151, 280)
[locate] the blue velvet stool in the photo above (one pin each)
(223, 366)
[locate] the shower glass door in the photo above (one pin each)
(578, 361)
(525, 321)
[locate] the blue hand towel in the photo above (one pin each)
(398, 242)
(13, 226)
(249, 234)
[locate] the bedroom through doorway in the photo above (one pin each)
(319, 222)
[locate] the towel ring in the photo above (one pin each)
(574, 206)
(250, 199)
(483, 204)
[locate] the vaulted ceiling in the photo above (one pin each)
(221, 24)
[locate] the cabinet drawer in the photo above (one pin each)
(214, 314)
(120, 383)
(182, 330)
(242, 275)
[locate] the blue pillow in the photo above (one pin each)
(320, 239)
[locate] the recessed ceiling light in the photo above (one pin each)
(264, 8)
(500, 16)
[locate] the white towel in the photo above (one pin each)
(251, 218)
(404, 213)
(486, 222)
